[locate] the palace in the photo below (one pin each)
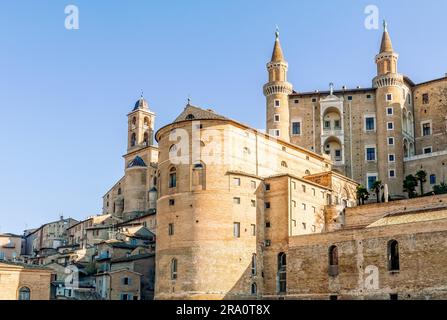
(241, 213)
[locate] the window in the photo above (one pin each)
(267, 187)
(432, 179)
(370, 154)
(172, 178)
(24, 293)
(313, 192)
(237, 229)
(294, 185)
(327, 124)
(253, 203)
(126, 296)
(253, 184)
(253, 230)
(303, 205)
(267, 205)
(370, 123)
(425, 98)
(427, 150)
(314, 99)
(293, 204)
(389, 97)
(314, 228)
(390, 141)
(371, 178)
(337, 155)
(392, 173)
(368, 96)
(296, 128)
(277, 133)
(297, 101)
(304, 225)
(171, 229)
(390, 126)
(276, 117)
(277, 103)
(337, 125)
(253, 264)
(236, 181)
(304, 188)
(190, 117)
(171, 202)
(349, 98)
(267, 224)
(426, 129)
(389, 111)
(283, 164)
(126, 281)
(393, 255)
(236, 200)
(391, 158)
(174, 269)
(282, 272)
(254, 289)
(394, 296)
(314, 210)
(133, 139)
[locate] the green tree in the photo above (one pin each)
(421, 175)
(362, 194)
(441, 188)
(376, 187)
(410, 184)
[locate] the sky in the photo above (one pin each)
(65, 94)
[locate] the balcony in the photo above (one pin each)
(336, 132)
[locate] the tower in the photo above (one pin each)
(141, 126)
(277, 91)
(391, 92)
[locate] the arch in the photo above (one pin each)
(173, 148)
(119, 191)
(410, 123)
(393, 255)
(173, 269)
(334, 148)
(282, 273)
(406, 148)
(411, 149)
(332, 119)
(190, 117)
(24, 293)
(283, 164)
(172, 177)
(199, 175)
(307, 172)
(146, 139)
(333, 255)
(146, 122)
(133, 139)
(254, 289)
(134, 121)
(405, 120)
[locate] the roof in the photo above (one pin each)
(137, 218)
(386, 45)
(133, 258)
(137, 162)
(25, 265)
(335, 92)
(10, 235)
(277, 54)
(418, 215)
(195, 113)
(118, 271)
(141, 104)
(119, 245)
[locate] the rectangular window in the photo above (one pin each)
(426, 129)
(236, 181)
(370, 124)
(267, 224)
(391, 158)
(267, 205)
(304, 225)
(368, 96)
(313, 192)
(293, 204)
(296, 128)
(294, 185)
(304, 188)
(390, 141)
(253, 203)
(276, 117)
(425, 98)
(314, 228)
(267, 187)
(304, 206)
(126, 281)
(337, 155)
(371, 154)
(171, 202)
(432, 179)
(277, 103)
(392, 173)
(389, 97)
(297, 101)
(253, 230)
(349, 98)
(277, 132)
(371, 178)
(294, 223)
(390, 125)
(171, 229)
(337, 125)
(314, 99)
(236, 200)
(314, 210)
(427, 150)
(389, 111)
(253, 184)
(327, 124)
(237, 230)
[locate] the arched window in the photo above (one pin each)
(307, 172)
(254, 289)
(174, 269)
(393, 255)
(199, 175)
(119, 191)
(134, 121)
(283, 164)
(190, 117)
(146, 122)
(24, 293)
(333, 261)
(282, 264)
(146, 139)
(253, 264)
(133, 139)
(172, 178)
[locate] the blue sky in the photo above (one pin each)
(64, 94)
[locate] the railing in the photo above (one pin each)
(333, 132)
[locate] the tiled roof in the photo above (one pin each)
(195, 113)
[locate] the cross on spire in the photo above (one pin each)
(277, 32)
(331, 88)
(385, 25)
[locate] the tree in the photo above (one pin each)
(362, 194)
(441, 188)
(410, 184)
(376, 187)
(421, 175)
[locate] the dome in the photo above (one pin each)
(141, 104)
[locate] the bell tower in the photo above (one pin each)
(277, 91)
(140, 126)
